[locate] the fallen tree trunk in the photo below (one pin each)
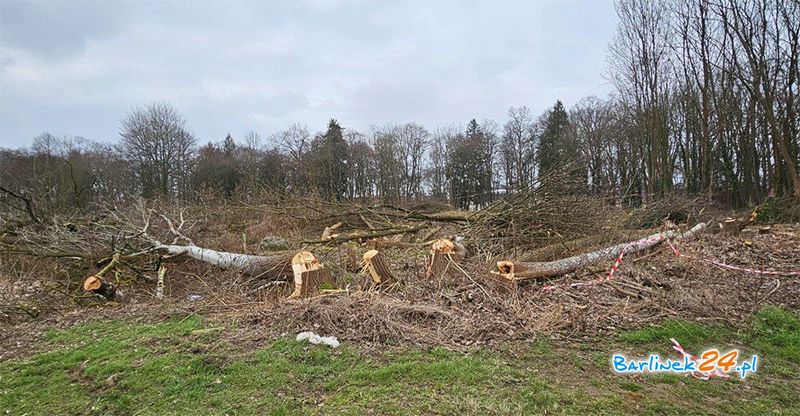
(274, 267)
(341, 238)
(440, 216)
(516, 271)
(445, 216)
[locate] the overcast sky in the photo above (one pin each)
(77, 68)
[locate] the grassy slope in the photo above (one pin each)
(165, 368)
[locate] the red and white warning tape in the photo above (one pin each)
(614, 267)
(697, 374)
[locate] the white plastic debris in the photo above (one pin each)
(316, 339)
(194, 298)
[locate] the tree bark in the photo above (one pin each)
(270, 267)
(443, 252)
(309, 275)
(516, 271)
(162, 271)
(375, 265)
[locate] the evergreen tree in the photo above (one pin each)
(468, 168)
(329, 162)
(217, 168)
(228, 145)
(560, 150)
(552, 149)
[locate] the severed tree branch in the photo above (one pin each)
(26, 200)
(367, 235)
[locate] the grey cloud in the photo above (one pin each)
(56, 27)
(77, 68)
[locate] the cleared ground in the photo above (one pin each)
(190, 365)
(220, 343)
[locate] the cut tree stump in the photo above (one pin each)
(309, 275)
(443, 253)
(503, 283)
(100, 286)
(514, 272)
(374, 264)
(353, 263)
(97, 284)
(734, 226)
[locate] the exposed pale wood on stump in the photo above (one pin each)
(734, 226)
(443, 252)
(100, 286)
(309, 275)
(375, 266)
(503, 282)
(514, 272)
(97, 283)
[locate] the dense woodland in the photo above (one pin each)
(706, 101)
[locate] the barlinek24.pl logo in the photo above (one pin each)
(708, 364)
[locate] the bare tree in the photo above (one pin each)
(296, 142)
(437, 162)
(388, 166)
(591, 120)
(518, 149)
(155, 140)
(469, 162)
(361, 167)
(768, 35)
(412, 140)
(640, 65)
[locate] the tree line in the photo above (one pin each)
(705, 101)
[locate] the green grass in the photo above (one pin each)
(691, 335)
(116, 368)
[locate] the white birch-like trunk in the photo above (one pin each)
(160, 284)
(246, 263)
